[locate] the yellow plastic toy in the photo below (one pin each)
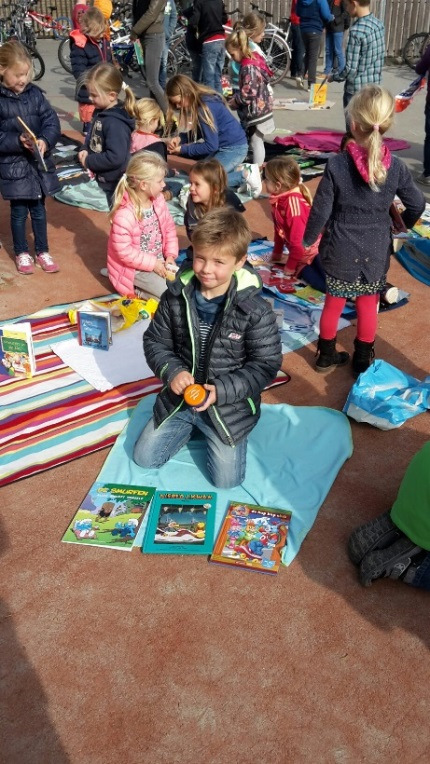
(125, 311)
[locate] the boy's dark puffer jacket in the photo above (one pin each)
(244, 351)
(20, 176)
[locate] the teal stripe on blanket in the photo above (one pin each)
(294, 456)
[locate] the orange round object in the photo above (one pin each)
(195, 395)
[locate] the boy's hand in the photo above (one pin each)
(181, 381)
(210, 399)
(82, 156)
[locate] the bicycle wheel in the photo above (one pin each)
(64, 55)
(63, 27)
(38, 63)
(414, 48)
(277, 55)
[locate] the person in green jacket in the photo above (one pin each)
(397, 544)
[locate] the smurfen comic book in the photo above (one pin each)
(252, 537)
(181, 522)
(110, 515)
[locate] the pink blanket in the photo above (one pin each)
(329, 140)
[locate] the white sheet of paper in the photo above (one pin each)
(123, 362)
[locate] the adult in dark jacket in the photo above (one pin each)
(423, 67)
(334, 33)
(88, 47)
(313, 14)
(26, 178)
(212, 327)
(148, 26)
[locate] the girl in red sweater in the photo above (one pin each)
(291, 203)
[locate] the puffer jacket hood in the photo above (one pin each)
(246, 281)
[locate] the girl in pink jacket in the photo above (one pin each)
(143, 244)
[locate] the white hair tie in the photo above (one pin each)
(124, 86)
(124, 177)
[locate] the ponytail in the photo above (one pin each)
(371, 113)
(306, 193)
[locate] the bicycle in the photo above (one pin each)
(21, 28)
(414, 48)
(60, 27)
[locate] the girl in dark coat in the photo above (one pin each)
(352, 205)
(88, 46)
(27, 174)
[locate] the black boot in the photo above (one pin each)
(364, 354)
(328, 357)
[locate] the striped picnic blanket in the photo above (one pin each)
(56, 416)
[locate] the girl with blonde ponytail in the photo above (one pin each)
(143, 244)
(107, 145)
(291, 203)
(352, 205)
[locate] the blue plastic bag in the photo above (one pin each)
(386, 397)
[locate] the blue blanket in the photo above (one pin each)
(294, 456)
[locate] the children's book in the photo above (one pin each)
(252, 537)
(181, 522)
(29, 133)
(94, 328)
(17, 359)
(109, 516)
(309, 294)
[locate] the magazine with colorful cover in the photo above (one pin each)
(181, 522)
(252, 537)
(109, 516)
(17, 360)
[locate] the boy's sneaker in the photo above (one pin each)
(252, 178)
(378, 533)
(301, 83)
(45, 261)
(388, 563)
(24, 263)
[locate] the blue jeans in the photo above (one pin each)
(213, 55)
(334, 50)
(422, 575)
(19, 209)
(230, 157)
(162, 77)
(426, 167)
(154, 447)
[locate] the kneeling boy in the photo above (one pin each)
(212, 327)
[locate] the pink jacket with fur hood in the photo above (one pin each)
(125, 255)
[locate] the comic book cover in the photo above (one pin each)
(109, 516)
(252, 537)
(17, 360)
(181, 522)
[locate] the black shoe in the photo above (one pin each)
(376, 534)
(391, 562)
(328, 357)
(364, 354)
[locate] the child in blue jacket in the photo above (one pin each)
(27, 174)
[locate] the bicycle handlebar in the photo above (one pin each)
(255, 7)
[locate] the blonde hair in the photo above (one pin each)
(371, 113)
(186, 88)
(253, 23)
(93, 23)
(286, 172)
(143, 166)
(106, 78)
(239, 40)
(224, 229)
(214, 174)
(147, 110)
(12, 53)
